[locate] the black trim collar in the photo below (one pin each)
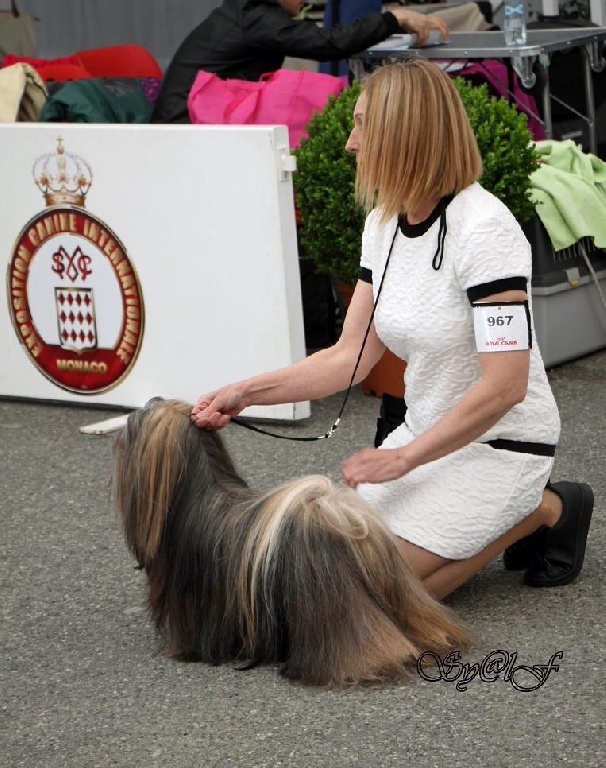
(416, 230)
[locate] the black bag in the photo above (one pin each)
(391, 415)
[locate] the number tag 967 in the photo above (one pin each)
(502, 327)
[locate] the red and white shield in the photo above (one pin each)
(76, 318)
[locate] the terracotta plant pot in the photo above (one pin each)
(386, 378)
(345, 292)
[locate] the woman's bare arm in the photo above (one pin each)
(319, 375)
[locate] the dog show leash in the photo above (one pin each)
(333, 429)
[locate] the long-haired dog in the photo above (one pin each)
(307, 575)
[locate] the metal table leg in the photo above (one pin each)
(543, 68)
(589, 98)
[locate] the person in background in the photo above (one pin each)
(244, 39)
(465, 477)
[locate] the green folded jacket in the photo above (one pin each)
(569, 190)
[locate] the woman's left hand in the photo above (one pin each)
(374, 466)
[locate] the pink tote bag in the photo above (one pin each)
(286, 97)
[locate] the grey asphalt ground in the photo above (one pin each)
(82, 683)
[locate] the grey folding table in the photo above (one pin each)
(540, 45)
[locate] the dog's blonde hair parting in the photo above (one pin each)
(417, 141)
(305, 575)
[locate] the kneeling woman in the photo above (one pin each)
(466, 476)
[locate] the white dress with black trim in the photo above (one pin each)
(457, 505)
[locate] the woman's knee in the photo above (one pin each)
(422, 561)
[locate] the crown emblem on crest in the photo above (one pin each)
(62, 177)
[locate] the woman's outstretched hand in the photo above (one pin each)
(420, 24)
(374, 466)
(215, 410)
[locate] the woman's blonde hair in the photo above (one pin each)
(417, 142)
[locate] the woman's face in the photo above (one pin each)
(355, 137)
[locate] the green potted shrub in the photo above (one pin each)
(331, 222)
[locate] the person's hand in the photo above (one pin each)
(215, 410)
(374, 466)
(420, 24)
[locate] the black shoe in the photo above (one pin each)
(560, 559)
(521, 555)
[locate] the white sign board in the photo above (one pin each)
(146, 260)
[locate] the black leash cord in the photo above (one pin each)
(334, 427)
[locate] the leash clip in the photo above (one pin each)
(333, 429)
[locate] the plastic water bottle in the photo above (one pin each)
(514, 24)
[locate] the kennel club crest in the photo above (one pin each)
(74, 296)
